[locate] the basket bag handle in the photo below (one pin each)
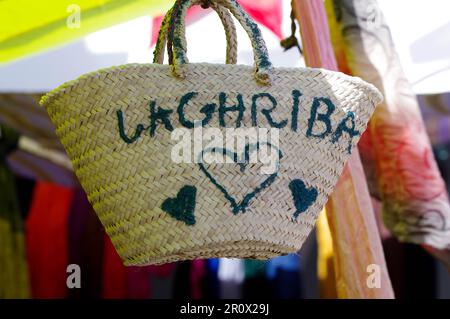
(228, 24)
(177, 39)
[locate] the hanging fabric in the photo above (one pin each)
(120, 282)
(325, 256)
(47, 240)
(231, 275)
(162, 281)
(13, 266)
(256, 283)
(358, 228)
(197, 276)
(23, 113)
(138, 282)
(267, 12)
(85, 246)
(182, 284)
(415, 203)
(283, 274)
(212, 283)
(114, 273)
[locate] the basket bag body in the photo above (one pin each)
(118, 125)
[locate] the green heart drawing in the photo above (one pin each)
(243, 204)
(183, 206)
(303, 197)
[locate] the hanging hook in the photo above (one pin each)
(292, 40)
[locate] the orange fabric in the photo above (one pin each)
(350, 213)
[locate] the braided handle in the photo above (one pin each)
(177, 40)
(230, 33)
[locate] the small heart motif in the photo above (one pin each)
(303, 197)
(240, 206)
(183, 206)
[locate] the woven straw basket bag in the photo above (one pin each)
(118, 125)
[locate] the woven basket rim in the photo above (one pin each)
(372, 91)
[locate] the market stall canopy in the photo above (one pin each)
(31, 26)
(420, 36)
(114, 46)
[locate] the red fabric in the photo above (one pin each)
(197, 275)
(128, 282)
(162, 271)
(194, 14)
(138, 282)
(269, 13)
(47, 240)
(114, 272)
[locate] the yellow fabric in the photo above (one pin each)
(29, 26)
(325, 266)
